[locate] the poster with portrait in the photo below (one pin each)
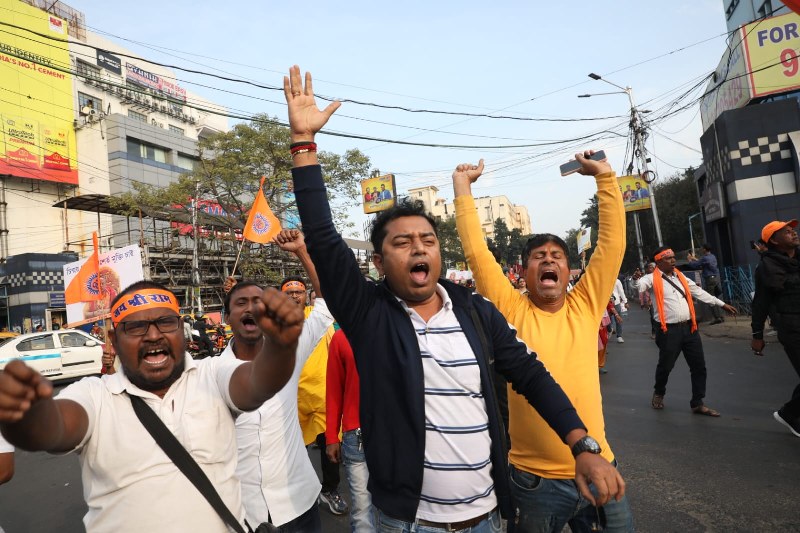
(584, 238)
(635, 193)
(378, 193)
(118, 269)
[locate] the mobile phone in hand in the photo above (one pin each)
(574, 165)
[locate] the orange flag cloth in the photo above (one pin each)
(262, 225)
(85, 286)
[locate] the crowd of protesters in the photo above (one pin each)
(452, 407)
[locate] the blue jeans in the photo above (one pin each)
(547, 505)
(355, 470)
(387, 524)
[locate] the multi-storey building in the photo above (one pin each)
(490, 208)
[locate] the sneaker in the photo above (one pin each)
(620, 340)
(792, 423)
(334, 502)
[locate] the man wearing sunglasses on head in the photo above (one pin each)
(130, 484)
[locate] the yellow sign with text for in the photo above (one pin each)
(772, 47)
(37, 140)
(635, 193)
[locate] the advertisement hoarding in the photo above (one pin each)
(584, 239)
(147, 79)
(635, 193)
(118, 269)
(378, 193)
(729, 87)
(37, 140)
(772, 57)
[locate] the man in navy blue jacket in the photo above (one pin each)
(424, 349)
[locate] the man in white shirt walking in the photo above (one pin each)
(620, 304)
(279, 484)
(671, 293)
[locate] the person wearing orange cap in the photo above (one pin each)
(777, 283)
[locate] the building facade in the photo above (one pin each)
(490, 208)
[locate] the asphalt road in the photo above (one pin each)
(685, 473)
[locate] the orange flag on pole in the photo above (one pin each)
(85, 286)
(262, 225)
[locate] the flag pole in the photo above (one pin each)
(238, 255)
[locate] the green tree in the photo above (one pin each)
(452, 251)
(230, 167)
(502, 239)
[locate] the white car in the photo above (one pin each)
(58, 355)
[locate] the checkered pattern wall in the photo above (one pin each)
(22, 279)
(762, 150)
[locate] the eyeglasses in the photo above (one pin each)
(139, 328)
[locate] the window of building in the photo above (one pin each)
(420, 194)
(176, 129)
(186, 162)
(92, 102)
(135, 115)
(765, 10)
(88, 70)
(146, 151)
(731, 9)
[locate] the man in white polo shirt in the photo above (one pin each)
(279, 484)
(130, 484)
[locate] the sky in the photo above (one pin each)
(527, 60)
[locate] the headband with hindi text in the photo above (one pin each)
(664, 254)
(293, 284)
(143, 300)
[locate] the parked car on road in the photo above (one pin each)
(58, 355)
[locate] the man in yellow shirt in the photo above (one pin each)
(561, 328)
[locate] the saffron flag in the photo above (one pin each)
(85, 286)
(262, 225)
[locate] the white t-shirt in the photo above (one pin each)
(278, 479)
(456, 483)
(129, 483)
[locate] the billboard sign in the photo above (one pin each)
(378, 193)
(772, 59)
(584, 239)
(109, 62)
(155, 82)
(729, 87)
(635, 193)
(118, 269)
(37, 140)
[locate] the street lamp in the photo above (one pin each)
(636, 125)
(691, 233)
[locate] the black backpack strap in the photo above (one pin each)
(674, 285)
(184, 461)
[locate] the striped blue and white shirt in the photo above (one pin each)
(457, 483)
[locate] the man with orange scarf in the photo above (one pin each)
(671, 293)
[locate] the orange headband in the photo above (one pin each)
(293, 284)
(142, 300)
(664, 254)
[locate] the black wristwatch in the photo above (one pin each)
(586, 444)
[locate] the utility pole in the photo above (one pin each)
(197, 301)
(638, 134)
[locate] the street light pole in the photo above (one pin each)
(637, 126)
(691, 233)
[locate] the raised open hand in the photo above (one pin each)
(305, 118)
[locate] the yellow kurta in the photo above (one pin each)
(565, 341)
(311, 388)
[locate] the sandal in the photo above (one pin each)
(658, 401)
(704, 410)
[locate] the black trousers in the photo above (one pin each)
(330, 471)
(679, 338)
(713, 287)
(789, 337)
